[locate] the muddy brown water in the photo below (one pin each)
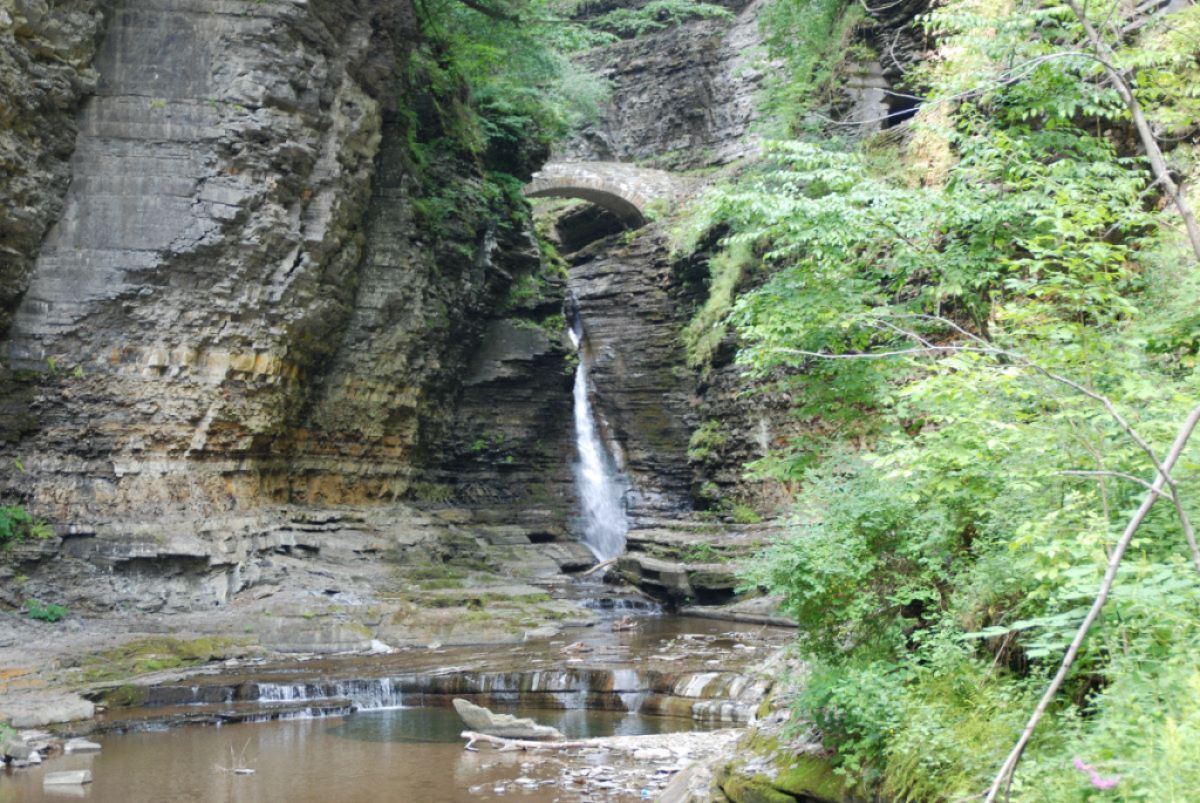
(401, 755)
(406, 754)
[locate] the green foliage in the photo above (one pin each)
(707, 328)
(944, 545)
(742, 513)
(813, 40)
(523, 87)
(18, 524)
(43, 611)
(656, 15)
(700, 553)
(707, 440)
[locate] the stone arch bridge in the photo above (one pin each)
(630, 192)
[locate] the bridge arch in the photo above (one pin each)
(623, 189)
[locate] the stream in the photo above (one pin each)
(369, 728)
(404, 754)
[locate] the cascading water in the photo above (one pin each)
(600, 485)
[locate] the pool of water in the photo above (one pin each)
(412, 754)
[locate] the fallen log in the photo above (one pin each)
(604, 564)
(520, 744)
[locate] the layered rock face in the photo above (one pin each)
(244, 299)
(631, 314)
(682, 98)
(429, 340)
(46, 53)
(205, 257)
(252, 302)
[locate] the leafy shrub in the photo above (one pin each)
(707, 440)
(657, 15)
(17, 524)
(707, 328)
(45, 612)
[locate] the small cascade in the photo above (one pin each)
(696, 684)
(600, 484)
(371, 694)
(623, 605)
(630, 689)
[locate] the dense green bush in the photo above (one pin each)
(958, 508)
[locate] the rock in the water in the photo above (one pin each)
(481, 719)
(68, 778)
(80, 746)
(15, 748)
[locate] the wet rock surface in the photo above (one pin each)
(478, 718)
(629, 309)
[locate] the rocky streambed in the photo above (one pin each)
(657, 692)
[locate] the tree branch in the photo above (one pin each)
(984, 347)
(1004, 776)
(1158, 164)
(1119, 474)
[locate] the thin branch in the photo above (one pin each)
(1158, 163)
(505, 744)
(1120, 474)
(1185, 522)
(1017, 73)
(883, 355)
(604, 564)
(1004, 776)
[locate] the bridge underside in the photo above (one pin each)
(626, 211)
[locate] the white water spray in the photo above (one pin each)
(599, 483)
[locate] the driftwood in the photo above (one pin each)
(604, 564)
(238, 761)
(519, 744)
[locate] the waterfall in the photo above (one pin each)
(599, 483)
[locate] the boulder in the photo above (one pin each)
(67, 778)
(478, 718)
(37, 712)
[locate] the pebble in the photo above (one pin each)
(652, 754)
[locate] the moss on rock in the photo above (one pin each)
(810, 776)
(754, 789)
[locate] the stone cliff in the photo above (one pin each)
(250, 295)
(45, 71)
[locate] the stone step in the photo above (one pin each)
(221, 714)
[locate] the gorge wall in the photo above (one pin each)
(230, 292)
(241, 300)
(248, 296)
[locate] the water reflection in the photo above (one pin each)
(442, 725)
(410, 754)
